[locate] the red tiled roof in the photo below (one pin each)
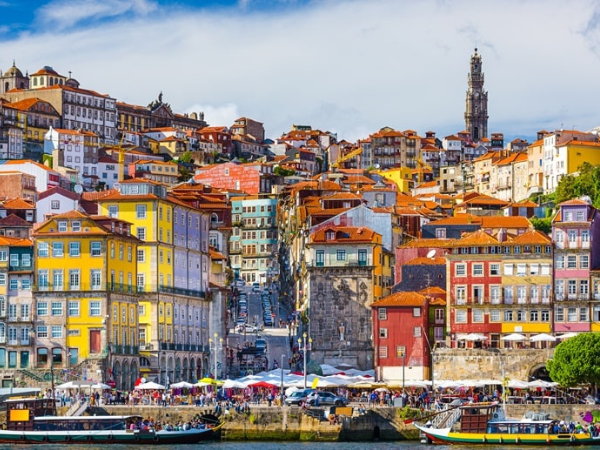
(401, 299)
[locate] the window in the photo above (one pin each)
(42, 308)
(383, 333)
(495, 294)
(572, 236)
(55, 204)
(140, 211)
(571, 262)
(416, 331)
(62, 226)
(95, 309)
(494, 315)
(96, 248)
(521, 316)
(533, 316)
(583, 314)
(521, 270)
(584, 261)
(545, 269)
(461, 316)
(42, 331)
(461, 295)
(76, 226)
(478, 295)
(571, 314)
(57, 308)
(113, 211)
(508, 295)
(508, 316)
(25, 283)
(341, 255)
(560, 315)
(96, 279)
(534, 269)
(141, 233)
(383, 353)
(2, 279)
(508, 269)
(57, 280)
(494, 269)
(477, 270)
(320, 258)
(4, 255)
(57, 249)
(141, 255)
(74, 279)
(382, 313)
(545, 315)
(73, 308)
(74, 248)
(57, 331)
(478, 315)
(460, 270)
(584, 287)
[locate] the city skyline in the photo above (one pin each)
(349, 67)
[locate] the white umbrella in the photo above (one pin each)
(182, 384)
(474, 337)
(233, 384)
(517, 384)
(513, 337)
(100, 386)
(150, 385)
(542, 337)
(567, 335)
(67, 385)
(542, 384)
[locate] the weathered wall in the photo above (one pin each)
(460, 364)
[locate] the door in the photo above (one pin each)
(95, 342)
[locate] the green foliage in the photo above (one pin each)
(576, 360)
(586, 183)
(283, 172)
(186, 157)
(544, 224)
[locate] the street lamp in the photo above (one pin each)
(281, 390)
(215, 346)
(302, 343)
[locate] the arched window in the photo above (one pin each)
(42, 357)
(57, 356)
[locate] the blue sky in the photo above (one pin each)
(346, 66)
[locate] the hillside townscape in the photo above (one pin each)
(130, 236)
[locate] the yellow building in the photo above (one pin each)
(86, 297)
(402, 176)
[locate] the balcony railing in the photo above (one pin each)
(333, 262)
(111, 287)
(174, 290)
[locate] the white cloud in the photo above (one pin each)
(63, 14)
(349, 66)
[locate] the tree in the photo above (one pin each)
(283, 172)
(544, 224)
(576, 361)
(586, 183)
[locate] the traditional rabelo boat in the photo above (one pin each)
(34, 421)
(486, 423)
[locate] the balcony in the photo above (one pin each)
(110, 287)
(333, 262)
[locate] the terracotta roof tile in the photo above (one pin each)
(401, 299)
(343, 234)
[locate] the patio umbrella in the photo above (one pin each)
(517, 384)
(474, 337)
(182, 384)
(542, 337)
(100, 386)
(233, 384)
(567, 335)
(67, 385)
(513, 337)
(262, 384)
(150, 385)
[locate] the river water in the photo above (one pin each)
(400, 445)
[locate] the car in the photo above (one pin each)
(297, 397)
(326, 398)
(246, 328)
(261, 344)
(255, 287)
(239, 283)
(240, 322)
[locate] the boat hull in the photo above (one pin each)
(445, 436)
(106, 436)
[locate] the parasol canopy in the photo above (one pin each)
(514, 337)
(542, 337)
(149, 385)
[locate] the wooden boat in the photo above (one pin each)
(486, 423)
(33, 421)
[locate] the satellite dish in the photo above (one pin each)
(377, 166)
(78, 189)
(431, 254)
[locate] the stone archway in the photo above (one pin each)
(539, 372)
(117, 374)
(125, 384)
(177, 375)
(170, 371)
(185, 376)
(193, 371)
(133, 373)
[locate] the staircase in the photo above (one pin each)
(35, 375)
(78, 408)
(446, 419)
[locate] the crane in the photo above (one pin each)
(346, 157)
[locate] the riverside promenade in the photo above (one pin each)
(291, 423)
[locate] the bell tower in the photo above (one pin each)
(476, 116)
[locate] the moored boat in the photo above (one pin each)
(33, 421)
(486, 423)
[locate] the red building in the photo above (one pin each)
(231, 176)
(400, 326)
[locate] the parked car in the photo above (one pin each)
(261, 344)
(256, 287)
(248, 328)
(239, 283)
(326, 398)
(297, 397)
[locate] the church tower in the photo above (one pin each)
(476, 117)
(13, 78)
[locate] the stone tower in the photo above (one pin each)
(13, 78)
(476, 116)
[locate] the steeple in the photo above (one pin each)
(476, 117)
